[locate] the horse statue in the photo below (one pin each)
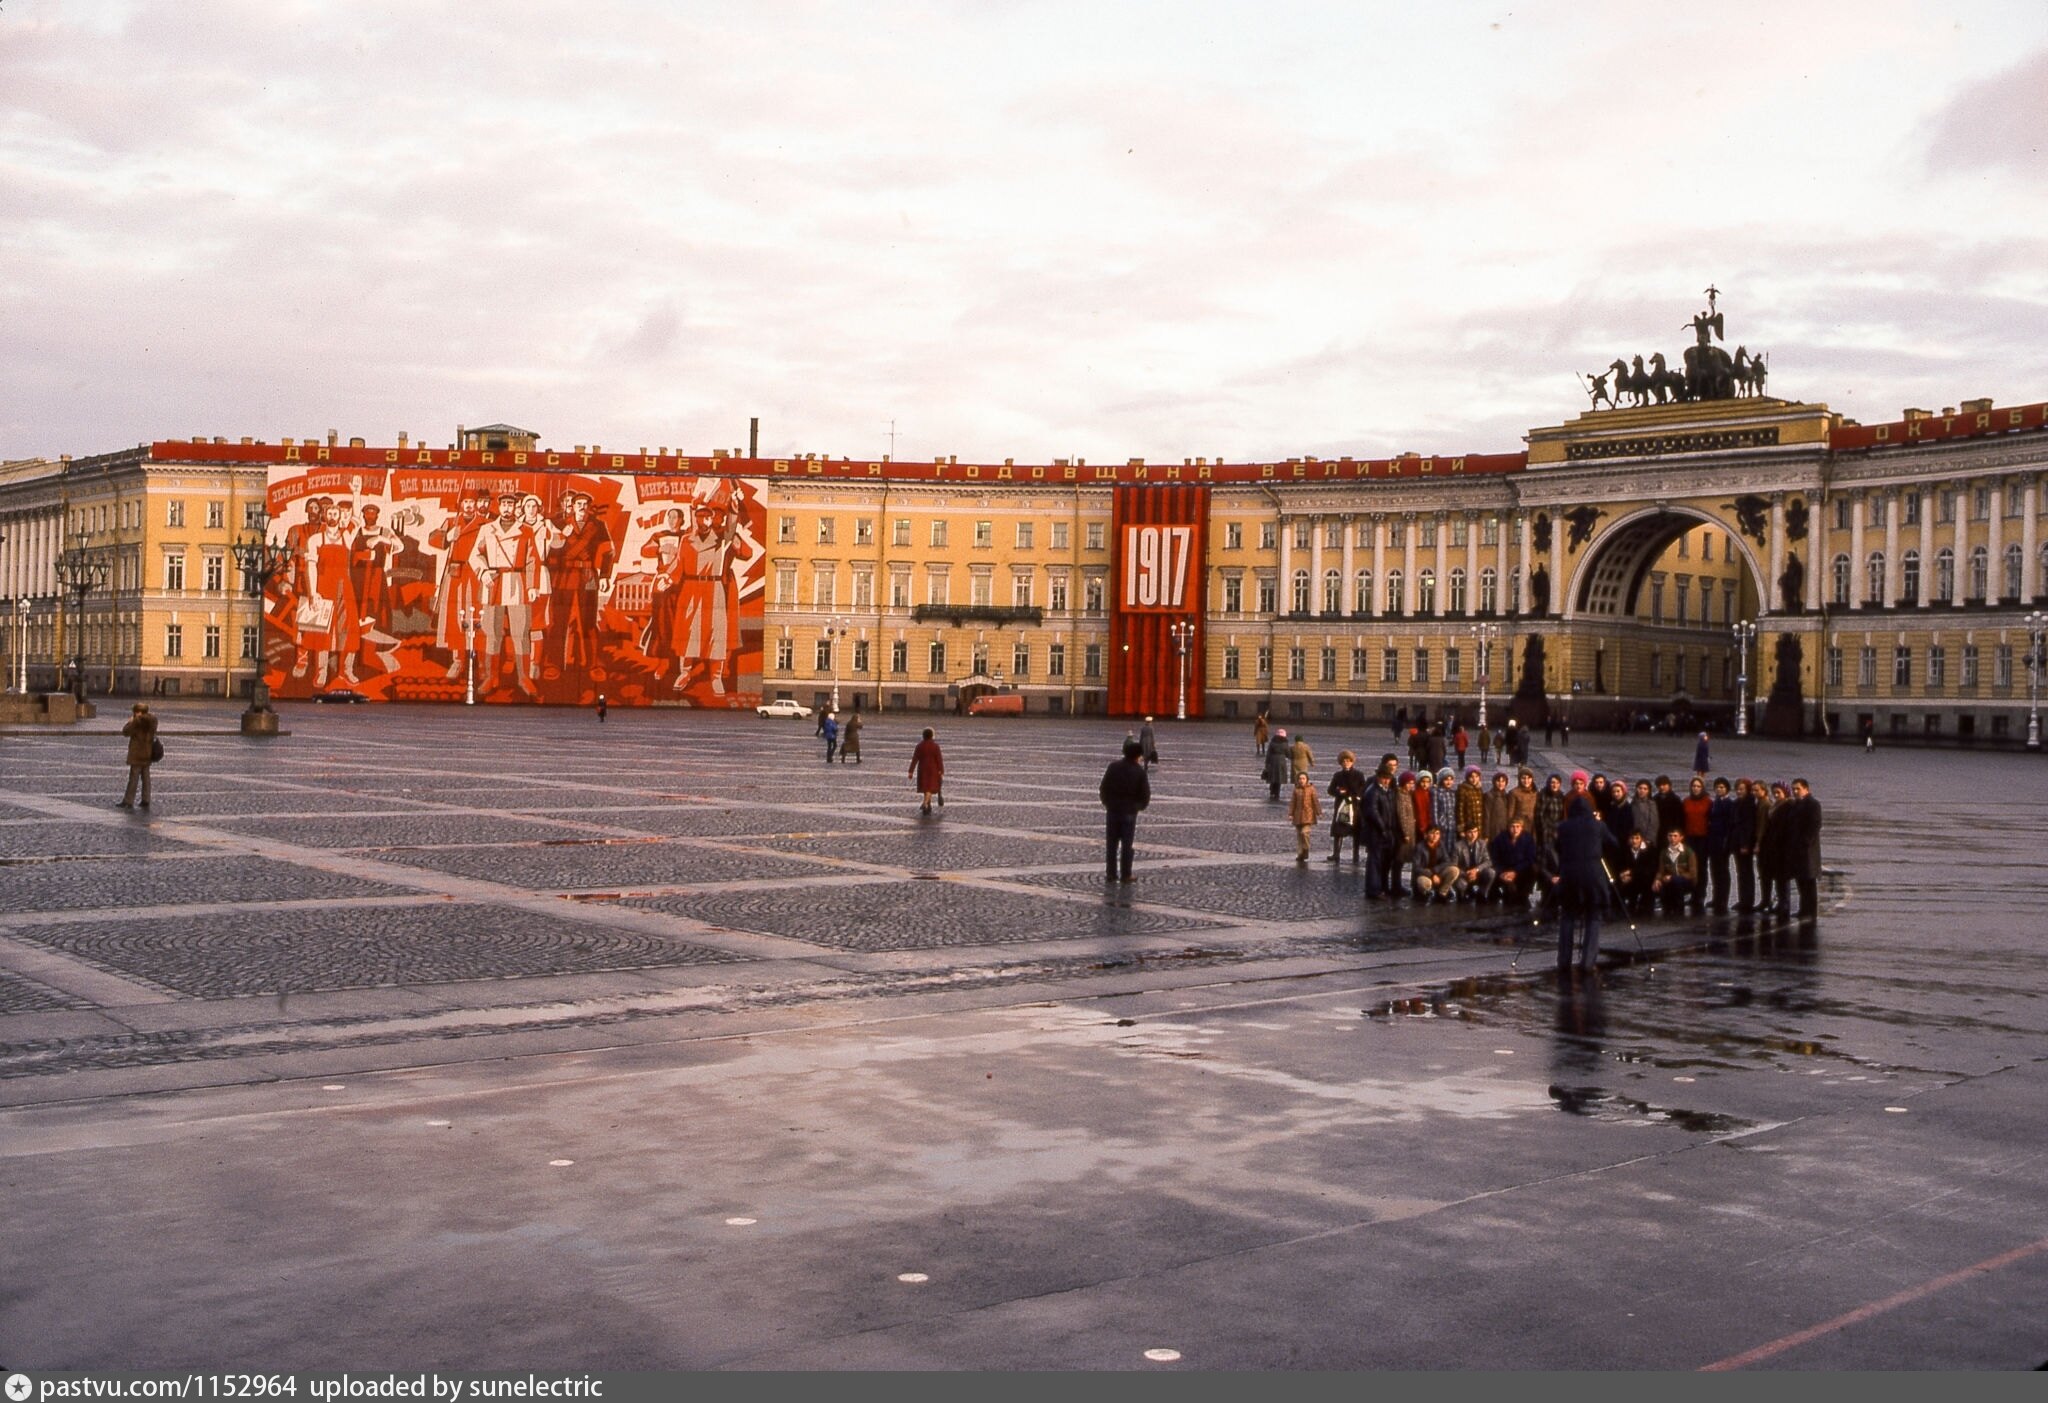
(1666, 384)
(1709, 373)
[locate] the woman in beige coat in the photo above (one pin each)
(1304, 808)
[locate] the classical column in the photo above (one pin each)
(1856, 575)
(1471, 564)
(1960, 527)
(1994, 574)
(1774, 595)
(1408, 563)
(1926, 549)
(1379, 564)
(1501, 602)
(1286, 598)
(2030, 541)
(1315, 565)
(1522, 549)
(1344, 601)
(1443, 563)
(1557, 567)
(1891, 547)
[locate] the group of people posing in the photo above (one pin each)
(1745, 842)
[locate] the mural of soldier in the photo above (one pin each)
(459, 597)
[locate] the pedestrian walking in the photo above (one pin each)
(1299, 758)
(849, 740)
(1347, 787)
(1460, 741)
(1304, 809)
(1275, 771)
(828, 726)
(1259, 734)
(928, 771)
(1148, 743)
(1701, 762)
(1869, 735)
(1126, 792)
(600, 706)
(1486, 745)
(1549, 729)
(144, 750)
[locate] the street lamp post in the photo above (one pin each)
(1483, 634)
(1745, 634)
(835, 633)
(2037, 640)
(260, 561)
(21, 644)
(80, 570)
(470, 622)
(1183, 636)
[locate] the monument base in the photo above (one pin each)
(1785, 718)
(259, 723)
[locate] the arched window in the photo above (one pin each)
(1300, 592)
(1909, 577)
(1873, 578)
(1361, 593)
(1425, 591)
(1489, 594)
(1333, 591)
(1394, 604)
(1944, 576)
(1839, 589)
(1457, 601)
(1980, 572)
(2015, 559)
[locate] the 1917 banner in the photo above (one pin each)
(555, 587)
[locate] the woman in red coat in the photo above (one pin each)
(928, 770)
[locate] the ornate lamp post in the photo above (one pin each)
(2037, 641)
(261, 561)
(80, 570)
(1483, 635)
(1183, 636)
(21, 645)
(1745, 635)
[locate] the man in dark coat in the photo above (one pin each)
(1125, 793)
(1380, 822)
(1583, 845)
(1801, 847)
(1720, 842)
(1347, 787)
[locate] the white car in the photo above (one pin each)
(783, 706)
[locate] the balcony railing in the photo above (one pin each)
(997, 614)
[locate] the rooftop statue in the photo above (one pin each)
(1710, 373)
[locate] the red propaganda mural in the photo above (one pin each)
(531, 587)
(1157, 611)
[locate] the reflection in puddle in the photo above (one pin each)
(1597, 1103)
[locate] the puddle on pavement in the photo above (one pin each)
(1598, 1103)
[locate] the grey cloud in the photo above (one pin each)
(2001, 122)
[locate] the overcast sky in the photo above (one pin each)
(1021, 230)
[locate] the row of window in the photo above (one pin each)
(1934, 666)
(2012, 575)
(1946, 503)
(900, 528)
(127, 516)
(859, 657)
(126, 639)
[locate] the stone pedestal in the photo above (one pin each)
(259, 723)
(1785, 718)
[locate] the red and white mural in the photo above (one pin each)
(1155, 620)
(535, 587)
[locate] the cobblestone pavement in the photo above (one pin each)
(790, 1040)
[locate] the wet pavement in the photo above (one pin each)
(439, 1038)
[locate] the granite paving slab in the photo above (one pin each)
(269, 952)
(129, 836)
(711, 821)
(86, 883)
(400, 830)
(608, 864)
(1279, 892)
(20, 994)
(933, 847)
(919, 915)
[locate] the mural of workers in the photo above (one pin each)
(547, 587)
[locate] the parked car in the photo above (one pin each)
(340, 694)
(783, 706)
(997, 704)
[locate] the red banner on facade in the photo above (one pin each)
(1156, 612)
